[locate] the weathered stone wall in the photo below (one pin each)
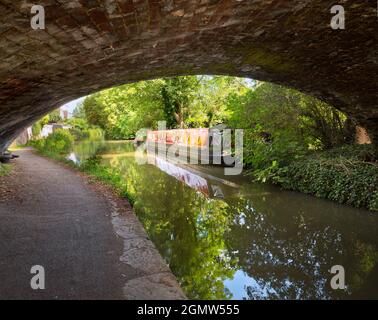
(92, 44)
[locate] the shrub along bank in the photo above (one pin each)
(80, 129)
(346, 175)
(59, 142)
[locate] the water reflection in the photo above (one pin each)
(256, 243)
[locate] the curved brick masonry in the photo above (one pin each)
(89, 45)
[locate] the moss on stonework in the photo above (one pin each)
(269, 61)
(160, 72)
(223, 68)
(264, 58)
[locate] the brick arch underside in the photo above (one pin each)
(89, 45)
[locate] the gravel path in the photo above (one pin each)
(89, 242)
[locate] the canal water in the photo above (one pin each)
(228, 238)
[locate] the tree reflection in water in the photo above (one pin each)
(288, 247)
(284, 242)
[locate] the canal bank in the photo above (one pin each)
(89, 242)
(227, 238)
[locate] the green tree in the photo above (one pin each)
(210, 105)
(54, 116)
(79, 112)
(37, 126)
(178, 94)
(282, 125)
(123, 110)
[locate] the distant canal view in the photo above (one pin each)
(225, 237)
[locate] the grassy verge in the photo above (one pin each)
(5, 169)
(108, 175)
(346, 175)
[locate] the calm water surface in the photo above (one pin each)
(227, 238)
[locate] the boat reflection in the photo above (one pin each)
(207, 184)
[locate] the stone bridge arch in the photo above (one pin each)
(89, 45)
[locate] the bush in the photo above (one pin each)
(36, 129)
(54, 116)
(60, 141)
(347, 175)
(95, 134)
(37, 144)
(263, 158)
(78, 134)
(361, 152)
(82, 130)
